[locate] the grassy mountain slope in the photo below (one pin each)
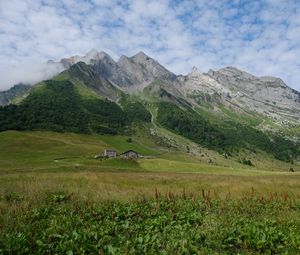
(80, 100)
(57, 105)
(51, 151)
(62, 105)
(223, 135)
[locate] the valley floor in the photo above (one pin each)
(55, 197)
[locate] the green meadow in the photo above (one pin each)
(56, 197)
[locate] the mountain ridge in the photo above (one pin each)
(265, 95)
(223, 110)
(17, 90)
(133, 74)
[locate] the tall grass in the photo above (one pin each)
(165, 223)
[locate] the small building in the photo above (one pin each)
(129, 154)
(110, 153)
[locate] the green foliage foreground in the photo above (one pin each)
(169, 225)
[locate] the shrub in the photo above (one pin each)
(12, 197)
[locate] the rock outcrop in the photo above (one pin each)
(269, 96)
(228, 87)
(18, 90)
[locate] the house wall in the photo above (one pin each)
(111, 154)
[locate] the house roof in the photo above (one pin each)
(125, 152)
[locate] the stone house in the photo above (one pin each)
(110, 153)
(129, 154)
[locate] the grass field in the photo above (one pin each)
(55, 197)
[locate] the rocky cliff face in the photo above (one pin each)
(228, 87)
(90, 58)
(130, 73)
(16, 91)
(109, 69)
(269, 96)
(143, 70)
(89, 76)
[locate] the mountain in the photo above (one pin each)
(227, 110)
(229, 86)
(89, 76)
(143, 70)
(265, 95)
(19, 90)
(268, 96)
(90, 58)
(136, 71)
(64, 106)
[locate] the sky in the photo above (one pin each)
(259, 36)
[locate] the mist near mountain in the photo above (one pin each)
(225, 110)
(28, 73)
(229, 86)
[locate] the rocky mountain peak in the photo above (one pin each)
(228, 86)
(90, 58)
(136, 71)
(195, 72)
(142, 70)
(273, 81)
(92, 54)
(122, 59)
(265, 95)
(102, 55)
(141, 57)
(231, 71)
(258, 94)
(245, 81)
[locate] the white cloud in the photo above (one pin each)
(261, 37)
